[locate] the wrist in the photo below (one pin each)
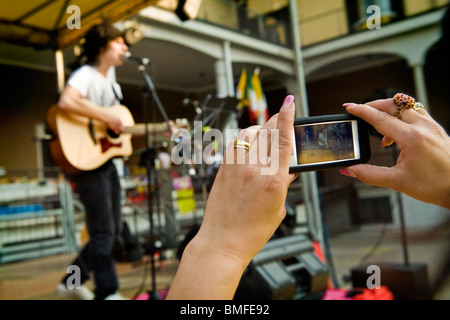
(226, 245)
(206, 272)
(206, 249)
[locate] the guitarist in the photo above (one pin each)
(89, 90)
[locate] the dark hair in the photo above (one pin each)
(96, 38)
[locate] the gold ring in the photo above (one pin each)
(403, 102)
(242, 144)
(417, 106)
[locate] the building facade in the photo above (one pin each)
(324, 52)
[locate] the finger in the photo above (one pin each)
(248, 135)
(239, 155)
(386, 142)
(412, 116)
(293, 176)
(274, 139)
(384, 123)
(389, 106)
(118, 130)
(385, 105)
(423, 112)
(282, 145)
(271, 123)
(411, 103)
(260, 150)
(373, 175)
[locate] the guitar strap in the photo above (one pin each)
(91, 124)
(115, 93)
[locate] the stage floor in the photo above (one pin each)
(37, 279)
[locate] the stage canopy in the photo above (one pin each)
(44, 23)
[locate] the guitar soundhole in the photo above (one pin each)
(112, 134)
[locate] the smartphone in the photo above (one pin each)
(327, 141)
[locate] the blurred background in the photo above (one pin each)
(325, 52)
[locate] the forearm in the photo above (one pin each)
(206, 274)
(82, 107)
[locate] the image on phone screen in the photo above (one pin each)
(326, 142)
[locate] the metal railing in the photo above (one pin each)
(37, 217)
(274, 25)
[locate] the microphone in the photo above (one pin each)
(129, 56)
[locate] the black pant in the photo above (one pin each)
(100, 192)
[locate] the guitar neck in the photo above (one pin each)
(139, 128)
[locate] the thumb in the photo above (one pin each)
(373, 175)
(285, 125)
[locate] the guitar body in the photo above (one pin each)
(82, 144)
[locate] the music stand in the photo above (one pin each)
(217, 111)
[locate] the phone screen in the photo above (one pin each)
(326, 142)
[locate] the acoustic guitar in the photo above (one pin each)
(83, 144)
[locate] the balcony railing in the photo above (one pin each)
(317, 24)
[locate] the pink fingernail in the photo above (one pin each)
(347, 173)
(349, 104)
(288, 101)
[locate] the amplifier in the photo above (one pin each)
(285, 269)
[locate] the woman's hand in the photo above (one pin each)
(423, 166)
(247, 202)
(244, 208)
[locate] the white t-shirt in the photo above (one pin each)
(94, 86)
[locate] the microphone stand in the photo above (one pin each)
(148, 158)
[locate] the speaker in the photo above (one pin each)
(406, 282)
(285, 269)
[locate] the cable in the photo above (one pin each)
(141, 288)
(328, 256)
(375, 246)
